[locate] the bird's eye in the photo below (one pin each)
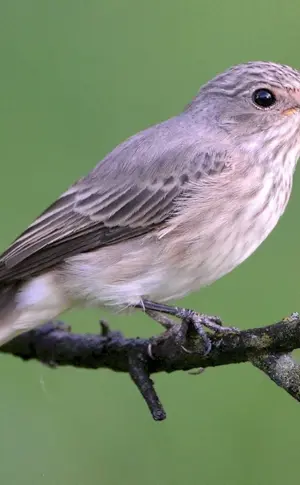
(264, 98)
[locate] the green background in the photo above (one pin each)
(76, 78)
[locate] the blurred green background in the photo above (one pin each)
(77, 77)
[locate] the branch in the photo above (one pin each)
(178, 348)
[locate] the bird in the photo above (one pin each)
(168, 211)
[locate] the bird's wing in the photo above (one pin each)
(130, 193)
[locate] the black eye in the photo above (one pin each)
(264, 98)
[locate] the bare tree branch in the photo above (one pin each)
(178, 348)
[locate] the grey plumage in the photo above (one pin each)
(169, 210)
(131, 192)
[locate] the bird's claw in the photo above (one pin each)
(196, 322)
(199, 321)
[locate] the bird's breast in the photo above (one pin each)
(220, 231)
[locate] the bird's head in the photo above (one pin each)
(257, 103)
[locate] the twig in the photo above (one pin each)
(267, 348)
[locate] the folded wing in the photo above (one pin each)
(117, 201)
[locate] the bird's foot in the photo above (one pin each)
(196, 321)
(166, 322)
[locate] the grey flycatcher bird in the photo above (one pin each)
(169, 210)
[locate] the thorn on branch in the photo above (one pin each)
(105, 329)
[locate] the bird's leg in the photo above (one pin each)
(211, 322)
(161, 319)
(197, 320)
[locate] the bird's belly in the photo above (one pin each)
(219, 248)
(223, 256)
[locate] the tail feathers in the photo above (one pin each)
(8, 305)
(7, 300)
(27, 304)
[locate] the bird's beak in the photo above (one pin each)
(291, 111)
(295, 98)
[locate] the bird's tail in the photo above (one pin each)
(8, 302)
(25, 305)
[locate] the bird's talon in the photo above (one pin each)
(149, 352)
(186, 350)
(229, 330)
(208, 346)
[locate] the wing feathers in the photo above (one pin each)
(101, 210)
